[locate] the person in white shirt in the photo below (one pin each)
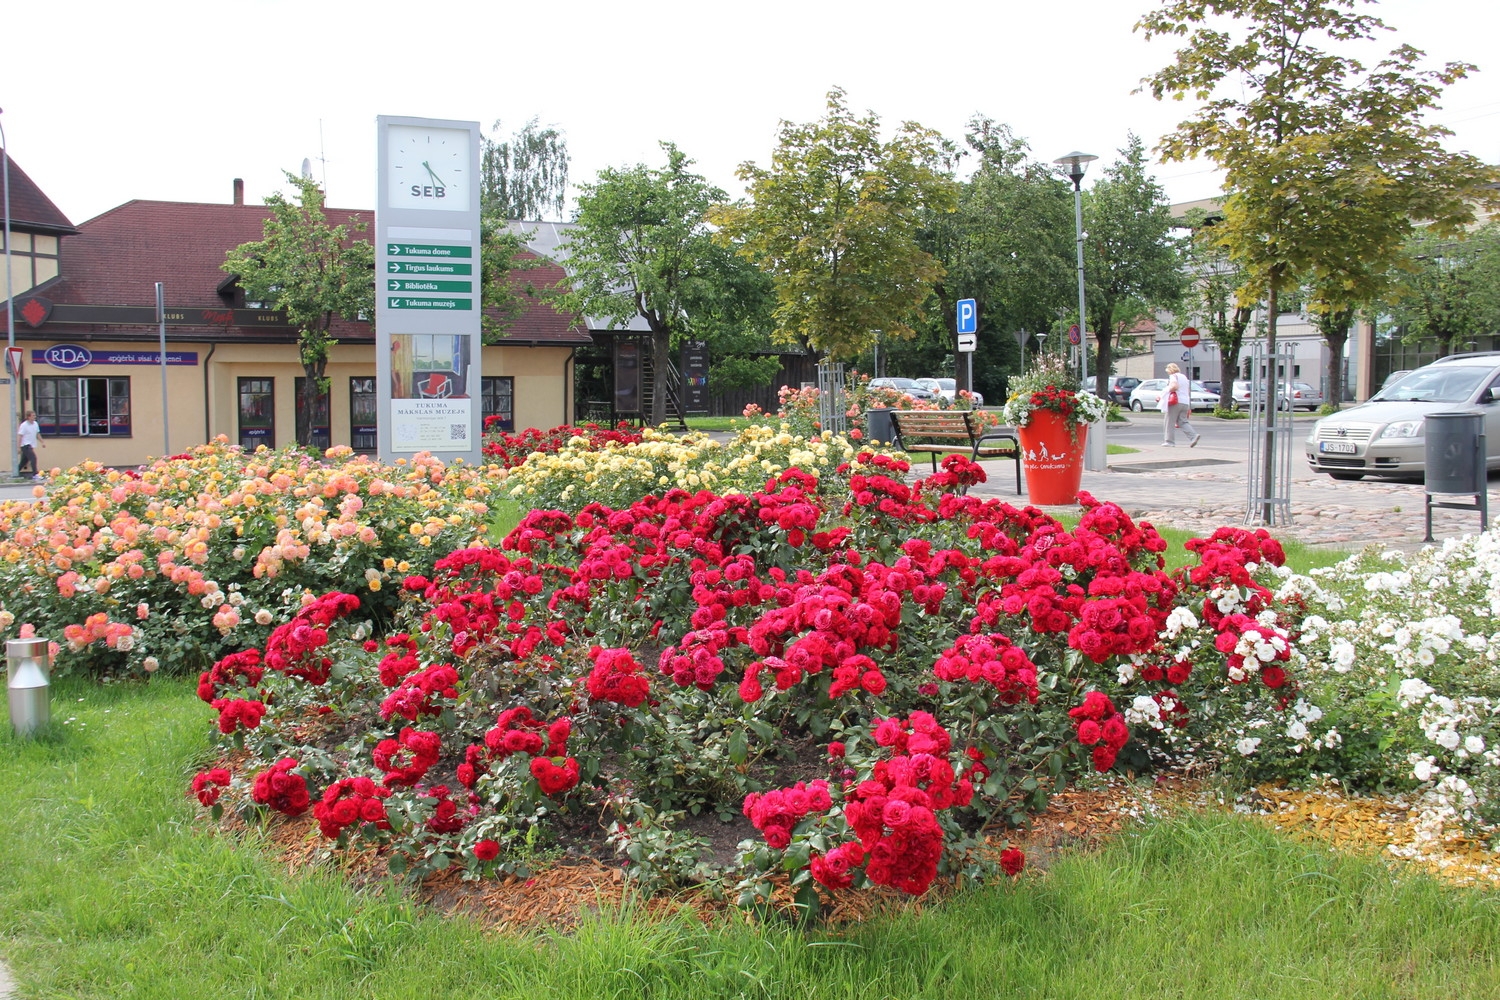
(1179, 414)
(28, 440)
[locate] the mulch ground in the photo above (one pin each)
(1080, 819)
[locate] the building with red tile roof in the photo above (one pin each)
(86, 320)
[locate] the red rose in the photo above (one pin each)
(1012, 860)
(486, 850)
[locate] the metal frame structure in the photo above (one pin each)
(1270, 430)
(833, 405)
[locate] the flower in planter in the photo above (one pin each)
(1052, 387)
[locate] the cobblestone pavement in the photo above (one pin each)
(1205, 488)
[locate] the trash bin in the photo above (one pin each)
(878, 424)
(1455, 453)
(1456, 464)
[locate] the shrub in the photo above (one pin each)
(180, 562)
(870, 674)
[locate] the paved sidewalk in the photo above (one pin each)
(1202, 488)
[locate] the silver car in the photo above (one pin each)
(948, 389)
(1384, 436)
(906, 387)
(1302, 397)
(1147, 395)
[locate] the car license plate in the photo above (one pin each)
(1338, 447)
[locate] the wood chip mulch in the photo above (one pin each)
(557, 898)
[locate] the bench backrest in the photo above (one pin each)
(926, 423)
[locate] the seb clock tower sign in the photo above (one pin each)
(427, 281)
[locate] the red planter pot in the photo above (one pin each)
(1053, 460)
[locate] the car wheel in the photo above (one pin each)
(1137, 407)
(1347, 477)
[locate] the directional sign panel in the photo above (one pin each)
(429, 357)
(968, 317)
(967, 342)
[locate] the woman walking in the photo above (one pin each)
(1177, 404)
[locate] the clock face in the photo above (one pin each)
(428, 168)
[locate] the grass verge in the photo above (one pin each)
(112, 887)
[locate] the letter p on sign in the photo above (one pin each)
(968, 316)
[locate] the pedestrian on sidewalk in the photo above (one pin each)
(28, 440)
(1177, 404)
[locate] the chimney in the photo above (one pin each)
(239, 191)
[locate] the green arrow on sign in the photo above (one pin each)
(394, 267)
(426, 285)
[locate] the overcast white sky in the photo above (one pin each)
(105, 102)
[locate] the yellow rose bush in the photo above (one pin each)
(579, 472)
(175, 564)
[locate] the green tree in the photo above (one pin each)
(1132, 262)
(1315, 147)
(835, 222)
(1008, 245)
(525, 176)
(642, 247)
(1448, 289)
(314, 272)
(1218, 299)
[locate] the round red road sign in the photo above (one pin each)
(1189, 337)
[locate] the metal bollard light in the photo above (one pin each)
(27, 684)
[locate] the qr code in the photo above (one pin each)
(458, 432)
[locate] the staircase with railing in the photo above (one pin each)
(661, 374)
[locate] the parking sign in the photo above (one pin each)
(968, 316)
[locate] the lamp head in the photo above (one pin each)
(1076, 163)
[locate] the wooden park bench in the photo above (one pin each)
(939, 432)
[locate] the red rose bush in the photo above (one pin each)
(869, 674)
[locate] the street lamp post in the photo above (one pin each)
(10, 305)
(1095, 455)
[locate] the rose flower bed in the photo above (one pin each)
(873, 678)
(182, 561)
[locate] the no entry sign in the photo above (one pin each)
(1189, 337)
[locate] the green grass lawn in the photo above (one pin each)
(113, 885)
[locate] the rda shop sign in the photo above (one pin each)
(67, 356)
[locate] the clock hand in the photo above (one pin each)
(434, 176)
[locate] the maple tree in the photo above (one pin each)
(836, 221)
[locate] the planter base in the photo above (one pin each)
(1052, 458)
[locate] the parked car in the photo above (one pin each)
(948, 389)
(905, 386)
(1302, 396)
(1147, 395)
(1117, 390)
(1385, 435)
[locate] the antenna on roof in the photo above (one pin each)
(306, 169)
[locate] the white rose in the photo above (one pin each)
(1247, 745)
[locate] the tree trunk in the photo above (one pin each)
(307, 402)
(1268, 465)
(1105, 362)
(1336, 335)
(661, 347)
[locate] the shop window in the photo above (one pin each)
(499, 401)
(257, 413)
(364, 427)
(322, 434)
(82, 407)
